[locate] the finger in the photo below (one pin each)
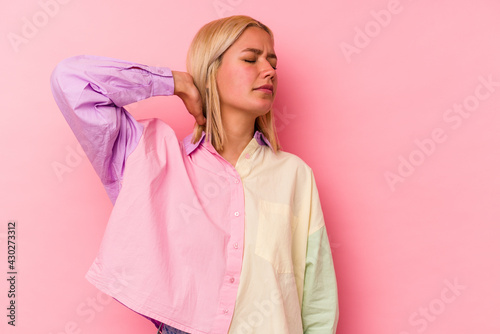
(197, 112)
(200, 119)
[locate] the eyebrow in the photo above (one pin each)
(259, 52)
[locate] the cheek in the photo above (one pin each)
(234, 81)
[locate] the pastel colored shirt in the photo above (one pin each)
(193, 241)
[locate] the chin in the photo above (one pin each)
(264, 106)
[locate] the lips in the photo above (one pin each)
(266, 88)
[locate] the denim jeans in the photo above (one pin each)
(165, 329)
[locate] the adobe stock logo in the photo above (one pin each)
(88, 310)
(428, 313)
(381, 19)
(223, 6)
(73, 158)
(31, 26)
(455, 117)
(263, 311)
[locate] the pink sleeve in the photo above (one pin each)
(91, 91)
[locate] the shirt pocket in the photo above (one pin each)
(274, 235)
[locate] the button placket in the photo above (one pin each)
(235, 228)
(236, 235)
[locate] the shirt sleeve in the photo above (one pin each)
(91, 91)
(320, 311)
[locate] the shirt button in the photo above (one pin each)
(235, 245)
(231, 279)
(247, 155)
(225, 311)
(236, 181)
(236, 213)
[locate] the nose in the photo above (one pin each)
(268, 71)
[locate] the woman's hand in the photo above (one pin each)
(185, 89)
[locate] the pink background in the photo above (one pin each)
(367, 88)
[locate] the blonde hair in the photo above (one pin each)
(203, 61)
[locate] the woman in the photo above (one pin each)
(221, 232)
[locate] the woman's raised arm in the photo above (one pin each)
(91, 91)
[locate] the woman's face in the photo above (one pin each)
(247, 65)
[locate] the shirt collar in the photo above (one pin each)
(190, 147)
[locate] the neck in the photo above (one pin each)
(239, 129)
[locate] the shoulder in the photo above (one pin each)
(291, 158)
(158, 136)
(155, 127)
(291, 162)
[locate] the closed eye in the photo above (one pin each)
(253, 61)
